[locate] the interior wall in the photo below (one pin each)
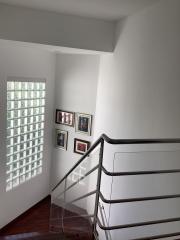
(138, 95)
(46, 27)
(75, 91)
(34, 63)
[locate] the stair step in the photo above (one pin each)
(35, 236)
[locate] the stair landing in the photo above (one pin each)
(34, 224)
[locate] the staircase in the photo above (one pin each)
(76, 207)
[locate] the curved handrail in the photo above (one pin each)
(112, 141)
(139, 141)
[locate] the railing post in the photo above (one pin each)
(98, 186)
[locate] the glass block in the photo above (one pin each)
(42, 86)
(9, 150)
(27, 160)
(15, 157)
(33, 173)
(8, 168)
(28, 175)
(8, 142)
(30, 85)
(35, 111)
(25, 85)
(38, 155)
(36, 86)
(27, 152)
(10, 85)
(42, 102)
(17, 131)
(25, 118)
(15, 113)
(8, 123)
(17, 95)
(15, 182)
(39, 170)
(16, 123)
(21, 163)
(9, 159)
(31, 121)
(22, 179)
(15, 165)
(10, 95)
(9, 186)
(35, 94)
(19, 113)
(17, 85)
(9, 177)
(21, 154)
(8, 105)
(39, 163)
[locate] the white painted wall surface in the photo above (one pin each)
(35, 26)
(75, 91)
(25, 62)
(138, 97)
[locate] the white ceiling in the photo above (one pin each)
(102, 9)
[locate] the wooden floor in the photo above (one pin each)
(34, 224)
(34, 220)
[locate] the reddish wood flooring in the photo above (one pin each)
(34, 224)
(35, 219)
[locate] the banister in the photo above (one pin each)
(137, 173)
(117, 141)
(139, 224)
(138, 199)
(105, 139)
(155, 237)
(139, 141)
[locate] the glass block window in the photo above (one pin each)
(25, 131)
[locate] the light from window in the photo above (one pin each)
(25, 131)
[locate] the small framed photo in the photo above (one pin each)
(64, 117)
(61, 139)
(81, 146)
(83, 123)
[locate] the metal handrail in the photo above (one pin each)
(133, 173)
(159, 236)
(104, 138)
(139, 224)
(112, 141)
(138, 199)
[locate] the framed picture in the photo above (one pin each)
(81, 146)
(64, 117)
(61, 139)
(83, 123)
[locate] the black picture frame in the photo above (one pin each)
(64, 117)
(83, 123)
(81, 146)
(61, 139)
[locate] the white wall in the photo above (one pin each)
(75, 90)
(138, 91)
(24, 62)
(35, 26)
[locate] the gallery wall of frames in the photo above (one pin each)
(82, 124)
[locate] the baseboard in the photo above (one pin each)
(24, 214)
